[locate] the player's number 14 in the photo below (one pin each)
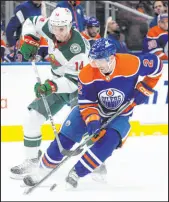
(79, 65)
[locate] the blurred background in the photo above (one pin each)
(134, 18)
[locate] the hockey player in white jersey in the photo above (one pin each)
(68, 51)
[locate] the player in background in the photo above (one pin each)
(159, 8)
(21, 13)
(68, 51)
(42, 53)
(114, 34)
(14, 27)
(105, 85)
(156, 40)
(77, 13)
(91, 33)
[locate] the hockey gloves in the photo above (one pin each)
(93, 124)
(47, 88)
(30, 46)
(141, 94)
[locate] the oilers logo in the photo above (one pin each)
(111, 98)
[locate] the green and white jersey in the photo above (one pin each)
(66, 59)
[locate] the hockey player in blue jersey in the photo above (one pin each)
(105, 85)
(21, 13)
(156, 40)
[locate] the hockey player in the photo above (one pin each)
(105, 84)
(68, 51)
(156, 40)
(91, 33)
(21, 13)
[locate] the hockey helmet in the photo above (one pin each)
(102, 49)
(60, 17)
(92, 22)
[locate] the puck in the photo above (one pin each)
(53, 186)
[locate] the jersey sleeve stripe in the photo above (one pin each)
(20, 16)
(156, 50)
(157, 69)
(87, 101)
(153, 37)
(88, 105)
(35, 20)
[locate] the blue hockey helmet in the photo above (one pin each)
(102, 49)
(92, 22)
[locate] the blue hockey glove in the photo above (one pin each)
(94, 125)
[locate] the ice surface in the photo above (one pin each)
(136, 172)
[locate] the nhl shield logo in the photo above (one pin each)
(75, 48)
(111, 98)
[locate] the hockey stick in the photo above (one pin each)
(79, 148)
(62, 150)
(109, 19)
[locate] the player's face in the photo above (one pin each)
(158, 7)
(93, 31)
(163, 24)
(61, 33)
(103, 65)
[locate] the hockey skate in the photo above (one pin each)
(99, 174)
(20, 171)
(35, 177)
(72, 179)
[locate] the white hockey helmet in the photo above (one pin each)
(60, 17)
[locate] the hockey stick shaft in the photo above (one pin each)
(79, 148)
(62, 150)
(107, 22)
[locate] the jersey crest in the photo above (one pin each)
(75, 48)
(111, 98)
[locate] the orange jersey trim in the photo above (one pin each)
(151, 82)
(90, 74)
(161, 55)
(86, 36)
(86, 112)
(87, 105)
(155, 32)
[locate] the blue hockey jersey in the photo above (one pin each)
(120, 46)
(21, 13)
(103, 94)
(155, 42)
